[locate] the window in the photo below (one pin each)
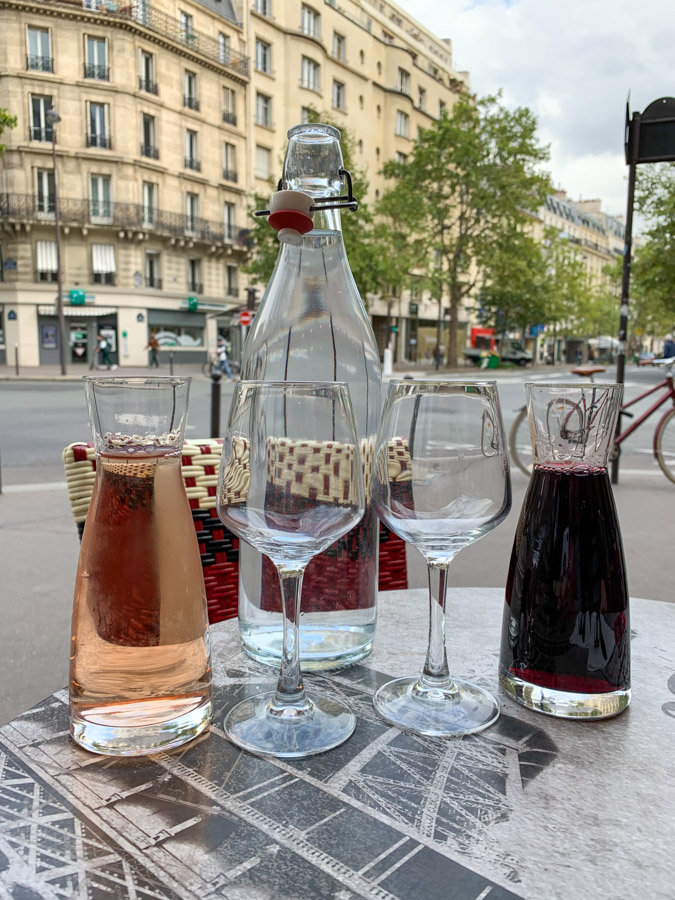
(421, 98)
(224, 48)
(186, 27)
(263, 56)
(100, 207)
(147, 81)
(263, 110)
(339, 46)
(441, 108)
(304, 115)
(190, 91)
(403, 81)
(149, 142)
(229, 106)
(229, 214)
(402, 124)
(263, 162)
(339, 95)
(191, 155)
(264, 7)
(46, 192)
(103, 263)
(401, 157)
(98, 136)
(179, 335)
(39, 129)
(47, 266)
(152, 278)
(194, 276)
(191, 211)
(96, 65)
(149, 203)
(232, 281)
(310, 74)
(310, 22)
(39, 54)
(229, 162)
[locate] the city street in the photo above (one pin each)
(39, 544)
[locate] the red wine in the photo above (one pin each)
(566, 624)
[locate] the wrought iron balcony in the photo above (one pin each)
(40, 63)
(196, 287)
(230, 118)
(150, 150)
(145, 84)
(191, 102)
(152, 282)
(100, 73)
(230, 175)
(232, 291)
(194, 164)
(230, 232)
(37, 133)
(104, 214)
(99, 140)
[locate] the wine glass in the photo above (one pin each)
(441, 481)
(290, 485)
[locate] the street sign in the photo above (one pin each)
(245, 317)
(193, 303)
(414, 309)
(76, 297)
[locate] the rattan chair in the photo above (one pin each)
(218, 547)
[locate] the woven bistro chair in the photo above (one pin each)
(218, 547)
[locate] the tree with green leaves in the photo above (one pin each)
(6, 121)
(653, 269)
(568, 288)
(468, 179)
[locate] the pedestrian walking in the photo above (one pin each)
(222, 365)
(103, 347)
(668, 347)
(153, 347)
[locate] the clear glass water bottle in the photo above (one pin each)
(312, 326)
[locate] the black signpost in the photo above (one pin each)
(649, 138)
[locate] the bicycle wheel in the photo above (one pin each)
(207, 368)
(520, 444)
(664, 445)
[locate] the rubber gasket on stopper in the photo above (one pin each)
(291, 218)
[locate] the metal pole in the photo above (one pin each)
(16, 359)
(625, 277)
(215, 405)
(171, 363)
(59, 298)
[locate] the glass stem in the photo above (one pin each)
(290, 692)
(436, 672)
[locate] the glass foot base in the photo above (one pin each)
(139, 740)
(327, 723)
(564, 704)
(463, 709)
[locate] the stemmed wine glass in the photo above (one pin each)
(441, 481)
(290, 485)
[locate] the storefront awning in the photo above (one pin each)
(103, 259)
(46, 256)
(79, 312)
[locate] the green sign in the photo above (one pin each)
(414, 309)
(193, 303)
(76, 297)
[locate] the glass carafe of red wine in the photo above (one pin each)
(140, 669)
(565, 647)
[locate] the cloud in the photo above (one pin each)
(573, 63)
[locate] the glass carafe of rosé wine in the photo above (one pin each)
(565, 645)
(140, 666)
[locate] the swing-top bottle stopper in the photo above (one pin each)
(291, 215)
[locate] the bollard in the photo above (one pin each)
(215, 405)
(171, 363)
(0, 473)
(16, 359)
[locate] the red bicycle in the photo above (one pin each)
(664, 434)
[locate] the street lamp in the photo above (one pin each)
(53, 118)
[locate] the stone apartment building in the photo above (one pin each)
(172, 113)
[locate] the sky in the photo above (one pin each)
(573, 63)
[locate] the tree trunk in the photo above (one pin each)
(455, 297)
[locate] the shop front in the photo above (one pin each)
(85, 327)
(178, 332)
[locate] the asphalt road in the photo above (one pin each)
(39, 544)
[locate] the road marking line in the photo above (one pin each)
(41, 486)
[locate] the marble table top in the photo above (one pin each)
(532, 808)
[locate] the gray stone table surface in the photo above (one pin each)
(532, 808)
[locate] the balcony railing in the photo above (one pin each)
(230, 118)
(191, 163)
(104, 278)
(37, 133)
(30, 208)
(191, 102)
(230, 175)
(232, 291)
(196, 287)
(152, 282)
(100, 73)
(99, 140)
(150, 150)
(145, 84)
(230, 232)
(40, 63)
